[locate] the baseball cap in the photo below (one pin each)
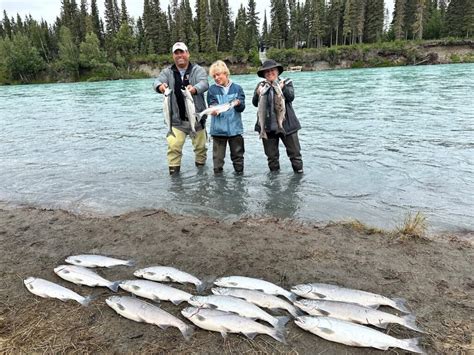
(179, 45)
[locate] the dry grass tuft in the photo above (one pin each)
(413, 226)
(360, 227)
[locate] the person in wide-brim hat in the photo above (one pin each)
(269, 64)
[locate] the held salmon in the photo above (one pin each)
(140, 311)
(225, 322)
(155, 291)
(169, 274)
(254, 284)
(353, 312)
(259, 298)
(167, 111)
(280, 108)
(83, 276)
(238, 306)
(217, 108)
(262, 108)
(190, 110)
(47, 289)
(348, 333)
(90, 260)
(328, 292)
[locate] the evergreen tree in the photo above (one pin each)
(417, 26)
(252, 25)
(374, 19)
(279, 23)
(95, 20)
(207, 41)
(7, 26)
(83, 19)
(265, 32)
(469, 19)
(455, 21)
(241, 32)
(191, 37)
(125, 42)
(399, 19)
(335, 20)
(124, 18)
(112, 18)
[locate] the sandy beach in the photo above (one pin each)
(434, 275)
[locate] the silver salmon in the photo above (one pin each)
(337, 293)
(47, 289)
(190, 110)
(92, 260)
(262, 109)
(225, 322)
(155, 291)
(351, 334)
(280, 109)
(167, 274)
(167, 111)
(84, 276)
(140, 311)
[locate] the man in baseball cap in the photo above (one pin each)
(180, 76)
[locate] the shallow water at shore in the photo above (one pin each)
(377, 143)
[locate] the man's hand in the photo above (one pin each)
(191, 89)
(162, 88)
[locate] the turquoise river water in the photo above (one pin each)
(376, 143)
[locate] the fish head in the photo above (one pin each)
(139, 273)
(302, 321)
(167, 92)
(188, 312)
(113, 301)
(197, 301)
(302, 289)
(60, 269)
(29, 280)
(220, 291)
(73, 260)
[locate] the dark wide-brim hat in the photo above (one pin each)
(269, 64)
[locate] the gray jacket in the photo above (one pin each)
(198, 79)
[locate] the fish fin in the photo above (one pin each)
(381, 325)
(65, 271)
(187, 332)
(281, 321)
(151, 273)
(163, 326)
(114, 286)
(224, 334)
(411, 345)
(323, 312)
(250, 335)
(176, 302)
(130, 263)
(136, 287)
(212, 306)
(291, 297)
(200, 288)
(200, 317)
(233, 284)
(319, 295)
(87, 300)
(409, 321)
(121, 307)
(400, 304)
(278, 334)
(296, 312)
(326, 330)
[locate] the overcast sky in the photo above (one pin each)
(49, 9)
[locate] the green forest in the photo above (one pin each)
(80, 45)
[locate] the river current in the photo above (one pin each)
(376, 144)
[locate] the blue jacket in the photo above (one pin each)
(229, 123)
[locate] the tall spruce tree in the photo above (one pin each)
(95, 20)
(252, 25)
(241, 32)
(7, 26)
(399, 19)
(374, 19)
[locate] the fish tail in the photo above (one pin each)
(409, 321)
(114, 286)
(192, 134)
(85, 302)
(411, 345)
(201, 287)
(291, 296)
(278, 334)
(295, 312)
(187, 332)
(170, 133)
(130, 263)
(400, 304)
(281, 321)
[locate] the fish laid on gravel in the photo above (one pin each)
(336, 293)
(167, 111)
(356, 313)
(218, 109)
(140, 311)
(352, 334)
(226, 322)
(262, 108)
(238, 306)
(91, 260)
(190, 110)
(254, 284)
(155, 291)
(47, 289)
(84, 276)
(259, 298)
(169, 274)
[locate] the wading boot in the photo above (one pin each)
(174, 170)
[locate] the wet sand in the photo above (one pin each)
(435, 276)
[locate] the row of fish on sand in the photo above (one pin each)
(236, 305)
